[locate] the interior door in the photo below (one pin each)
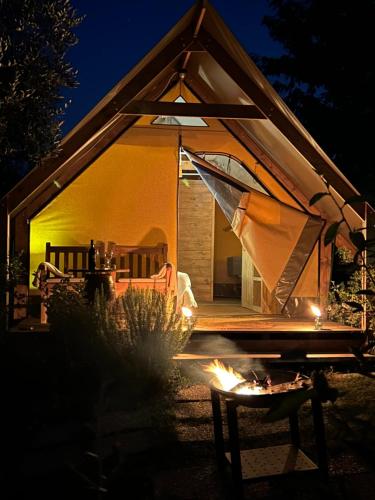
(251, 296)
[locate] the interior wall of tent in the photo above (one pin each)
(128, 195)
(227, 258)
(205, 244)
(196, 224)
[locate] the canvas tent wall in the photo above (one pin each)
(253, 125)
(128, 195)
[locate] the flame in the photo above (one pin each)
(316, 311)
(227, 377)
(188, 313)
(251, 389)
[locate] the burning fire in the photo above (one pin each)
(229, 379)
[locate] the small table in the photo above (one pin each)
(100, 279)
(262, 463)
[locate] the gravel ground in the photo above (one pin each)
(350, 462)
(180, 465)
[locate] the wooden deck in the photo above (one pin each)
(265, 323)
(227, 328)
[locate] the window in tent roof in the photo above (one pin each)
(186, 121)
(234, 168)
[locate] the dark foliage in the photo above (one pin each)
(353, 275)
(327, 76)
(342, 271)
(34, 39)
(12, 273)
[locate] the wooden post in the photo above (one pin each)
(364, 277)
(325, 267)
(20, 238)
(4, 252)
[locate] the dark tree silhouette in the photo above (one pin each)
(34, 38)
(327, 77)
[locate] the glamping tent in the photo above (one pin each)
(195, 149)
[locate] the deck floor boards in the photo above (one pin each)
(229, 316)
(266, 323)
(226, 328)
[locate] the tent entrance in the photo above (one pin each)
(209, 251)
(280, 240)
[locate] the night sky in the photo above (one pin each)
(116, 34)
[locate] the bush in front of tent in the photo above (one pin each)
(119, 352)
(86, 363)
(155, 333)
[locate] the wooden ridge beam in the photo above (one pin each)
(200, 110)
(199, 14)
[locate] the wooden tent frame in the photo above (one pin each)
(138, 95)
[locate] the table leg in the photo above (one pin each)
(218, 429)
(294, 429)
(320, 438)
(234, 447)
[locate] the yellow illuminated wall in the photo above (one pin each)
(128, 195)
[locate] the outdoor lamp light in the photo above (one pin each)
(187, 313)
(316, 312)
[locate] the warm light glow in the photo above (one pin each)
(188, 313)
(316, 311)
(227, 377)
(251, 389)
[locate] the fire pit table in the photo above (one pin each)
(263, 463)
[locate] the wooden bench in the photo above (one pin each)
(136, 264)
(138, 261)
(72, 260)
(133, 266)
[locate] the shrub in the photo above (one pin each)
(86, 363)
(12, 273)
(154, 334)
(125, 345)
(344, 292)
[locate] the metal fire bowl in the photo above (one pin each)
(262, 400)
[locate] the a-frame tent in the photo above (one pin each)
(116, 175)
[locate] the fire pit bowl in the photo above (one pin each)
(256, 389)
